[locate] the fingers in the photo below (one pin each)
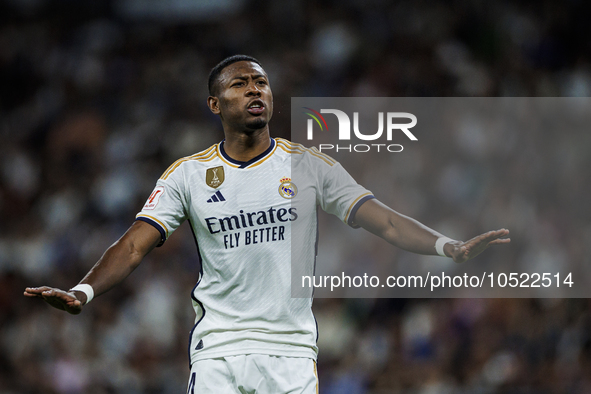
(492, 235)
(47, 293)
(56, 293)
(57, 298)
(489, 237)
(500, 241)
(36, 290)
(472, 248)
(27, 294)
(74, 307)
(75, 303)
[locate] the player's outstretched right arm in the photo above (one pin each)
(114, 266)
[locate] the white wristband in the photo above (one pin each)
(86, 289)
(439, 245)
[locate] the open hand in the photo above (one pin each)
(57, 298)
(463, 251)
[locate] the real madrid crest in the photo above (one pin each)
(214, 177)
(287, 189)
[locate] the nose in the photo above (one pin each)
(253, 89)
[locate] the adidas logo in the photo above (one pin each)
(217, 197)
(199, 345)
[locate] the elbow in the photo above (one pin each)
(128, 251)
(391, 233)
(135, 255)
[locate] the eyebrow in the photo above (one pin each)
(256, 76)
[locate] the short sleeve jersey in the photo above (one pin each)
(242, 215)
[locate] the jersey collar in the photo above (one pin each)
(252, 162)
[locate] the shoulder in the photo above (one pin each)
(302, 154)
(198, 159)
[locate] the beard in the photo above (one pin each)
(256, 123)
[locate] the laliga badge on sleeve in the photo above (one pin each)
(154, 198)
(214, 177)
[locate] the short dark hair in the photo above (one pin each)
(217, 70)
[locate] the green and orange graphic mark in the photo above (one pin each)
(315, 117)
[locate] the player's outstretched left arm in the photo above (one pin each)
(413, 236)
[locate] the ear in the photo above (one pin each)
(214, 104)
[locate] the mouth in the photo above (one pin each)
(256, 107)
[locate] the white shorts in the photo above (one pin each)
(254, 374)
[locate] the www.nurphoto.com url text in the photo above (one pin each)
(441, 280)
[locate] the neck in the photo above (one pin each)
(247, 146)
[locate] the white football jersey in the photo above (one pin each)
(242, 215)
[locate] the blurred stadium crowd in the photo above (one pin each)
(97, 98)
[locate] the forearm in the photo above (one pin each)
(399, 230)
(115, 265)
(120, 259)
(411, 235)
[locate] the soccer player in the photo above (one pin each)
(243, 202)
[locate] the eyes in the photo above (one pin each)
(238, 84)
